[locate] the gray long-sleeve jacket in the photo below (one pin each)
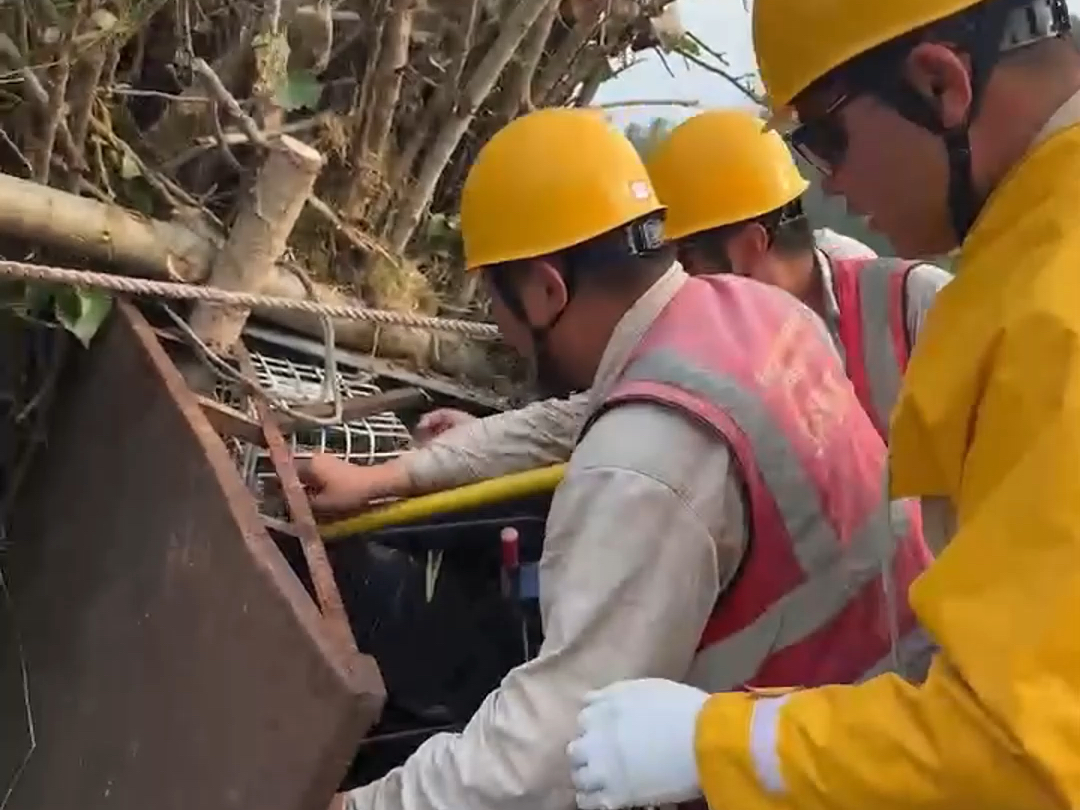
(645, 530)
(643, 535)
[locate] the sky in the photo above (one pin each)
(724, 25)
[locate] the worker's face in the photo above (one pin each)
(540, 299)
(750, 253)
(887, 168)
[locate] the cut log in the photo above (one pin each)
(140, 245)
(259, 236)
(112, 237)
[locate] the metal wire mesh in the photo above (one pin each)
(367, 441)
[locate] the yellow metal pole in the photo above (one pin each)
(471, 496)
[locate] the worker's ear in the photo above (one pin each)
(543, 293)
(943, 77)
(747, 249)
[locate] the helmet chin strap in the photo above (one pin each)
(985, 36)
(544, 370)
(638, 238)
(964, 201)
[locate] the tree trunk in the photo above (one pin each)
(109, 233)
(517, 94)
(483, 80)
(258, 237)
(393, 60)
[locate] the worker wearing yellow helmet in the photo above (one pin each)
(953, 123)
(734, 199)
(722, 517)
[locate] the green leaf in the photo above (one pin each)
(139, 197)
(37, 297)
(129, 167)
(81, 312)
(300, 90)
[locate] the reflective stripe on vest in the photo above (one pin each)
(870, 296)
(858, 597)
(821, 594)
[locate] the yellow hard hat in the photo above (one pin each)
(798, 42)
(719, 168)
(547, 181)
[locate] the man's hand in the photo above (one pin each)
(439, 421)
(337, 488)
(635, 745)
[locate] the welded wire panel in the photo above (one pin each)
(371, 440)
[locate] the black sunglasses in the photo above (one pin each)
(822, 142)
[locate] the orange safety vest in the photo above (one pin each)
(821, 593)
(873, 330)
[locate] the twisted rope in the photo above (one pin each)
(88, 279)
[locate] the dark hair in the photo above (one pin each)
(622, 258)
(788, 230)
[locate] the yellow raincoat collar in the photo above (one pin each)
(938, 402)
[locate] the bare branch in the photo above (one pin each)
(259, 236)
(717, 55)
(523, 72)
(36, 94)
(361, 118)
(558, 64)
(732, 80)
(393, 59)
(439, 106)
(648, 102)
(225, 98)
(365, 242)
(16, 152)
(512, 32)
(57, 112)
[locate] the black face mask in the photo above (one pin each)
(547, 379)
(640, 237)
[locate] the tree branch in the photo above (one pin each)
(733, 81)
(512, 32)
(649, 102)
(259, 236)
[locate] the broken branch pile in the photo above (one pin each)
(224, 141)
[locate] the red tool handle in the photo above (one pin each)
(511, 548)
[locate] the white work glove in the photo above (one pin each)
(635, 745)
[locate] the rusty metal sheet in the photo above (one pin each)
(174, 660)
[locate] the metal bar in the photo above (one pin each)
(386, 536)
(322, 575)
(439, 383)
(361, 407)
(494, 490)
(228, 421)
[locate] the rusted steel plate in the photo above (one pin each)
(175, 661)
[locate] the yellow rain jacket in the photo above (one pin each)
(989, 418)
